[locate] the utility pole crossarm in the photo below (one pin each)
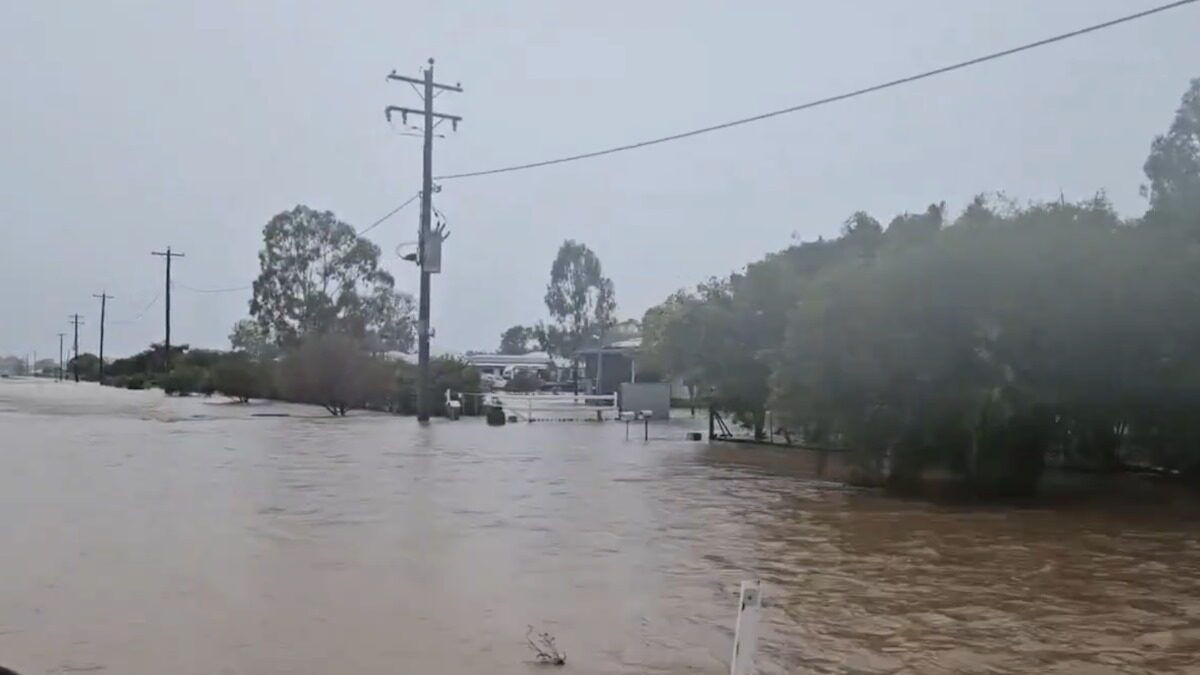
(414, 80)
(454, 119)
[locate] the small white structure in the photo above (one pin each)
(540, 407)
(506, 365)
(653, 398)
(745, 633)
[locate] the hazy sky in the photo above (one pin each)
(130, 126)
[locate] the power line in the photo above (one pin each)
(831, 99)
(145, 309)
(233, 289)
(148, 306)
(389, 214)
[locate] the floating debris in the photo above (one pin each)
(543, 647)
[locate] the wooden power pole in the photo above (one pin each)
(61, 372)
(75, 320)
(167, 340)
(428, 242)
(104, 297)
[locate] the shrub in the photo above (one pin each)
(182, 380)
(524, 381)
(239, 377)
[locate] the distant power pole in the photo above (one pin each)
(167, 342)
(428, 261)
(60, 356)
(104, 296)
(75, 361)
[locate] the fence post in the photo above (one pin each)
(745, 633)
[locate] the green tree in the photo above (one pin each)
(517, 340)
(1173, 168)
(524, 381)
(921, 228)
(317, 276)
(721, 337)
(327, 370)
(88, 365)
(239, 377)
(249, 338)
(183, 379)
(580, 299)
(46, 367)
(391, 321)
(12, 365)
(446, 373)
(981, 350)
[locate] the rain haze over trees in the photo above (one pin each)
(987, 345)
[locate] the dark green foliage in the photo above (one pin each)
(1173, 169)
(88, 365)
(446, 373)
(524, 381)
(580, 299)
(144, 362)
(452, 373)
(318, 277)
(975, 353)
(239, 377)
(333, 371)
(327, 370)
(203, 359)
(125, 381)
(518, 340)
(183, 380)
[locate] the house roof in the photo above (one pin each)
(626, 346)
(540, 359)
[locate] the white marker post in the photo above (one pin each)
(745, 634)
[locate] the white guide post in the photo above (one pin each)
(745, 634)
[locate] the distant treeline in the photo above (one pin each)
(983, 347)
(332, 371)
(326, 327)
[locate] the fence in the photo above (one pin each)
(538, 407)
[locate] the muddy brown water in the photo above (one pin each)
(144, 535)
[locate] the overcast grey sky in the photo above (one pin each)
(130, 126)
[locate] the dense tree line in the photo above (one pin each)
(333, 371)
(984, 347)
(327, 327)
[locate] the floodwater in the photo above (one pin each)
(143, 535)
